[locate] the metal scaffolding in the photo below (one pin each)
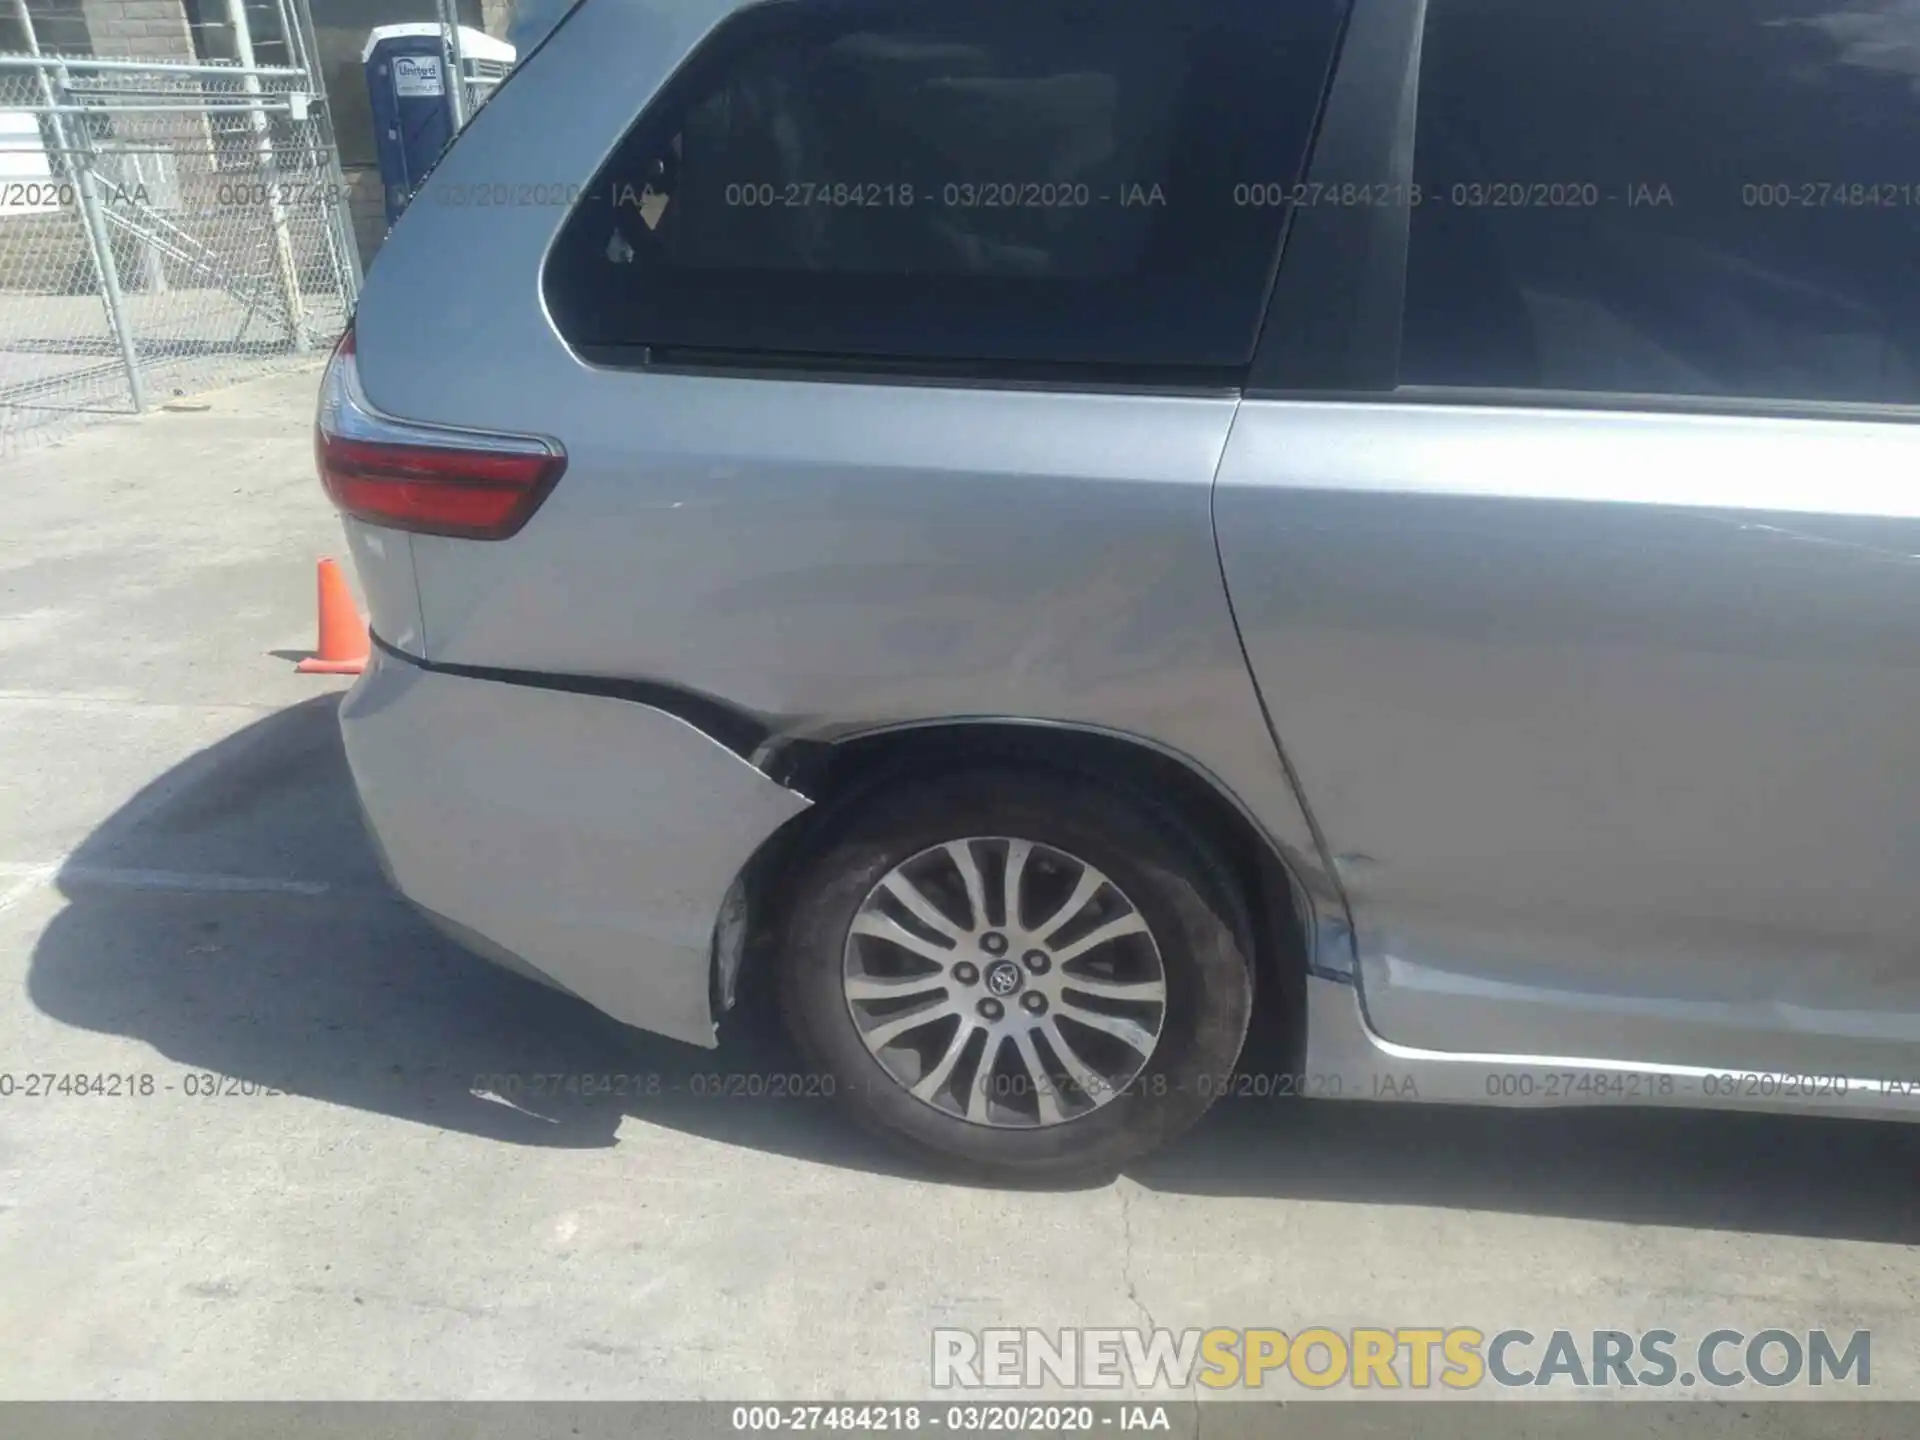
(163, 224)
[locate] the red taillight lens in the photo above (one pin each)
(476, 486)
(476, 494)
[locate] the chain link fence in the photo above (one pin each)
(164, 228)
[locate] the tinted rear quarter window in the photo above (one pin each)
(1715, 198)
(1019, 181)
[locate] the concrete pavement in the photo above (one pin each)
(297, 1191)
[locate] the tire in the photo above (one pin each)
(1192, 927)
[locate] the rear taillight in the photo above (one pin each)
(476, 485)
(480, 495)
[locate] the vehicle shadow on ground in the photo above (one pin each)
(345, 995)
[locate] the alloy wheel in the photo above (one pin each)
(1005, 982)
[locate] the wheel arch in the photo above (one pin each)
(838, 774)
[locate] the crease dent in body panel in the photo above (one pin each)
(1333, 945)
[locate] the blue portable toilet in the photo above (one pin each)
(406, 68)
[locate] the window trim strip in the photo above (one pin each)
(1333, 318)
(943, 374)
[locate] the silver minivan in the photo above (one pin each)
(1079, 523)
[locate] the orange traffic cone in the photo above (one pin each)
(343, 634)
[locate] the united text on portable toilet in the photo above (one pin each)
(407, 87)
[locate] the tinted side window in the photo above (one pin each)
(1039, 181)
(1716, 197)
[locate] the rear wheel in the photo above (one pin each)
(1021, 974)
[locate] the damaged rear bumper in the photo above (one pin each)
(586, 838)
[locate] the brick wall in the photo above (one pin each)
(151, 29)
